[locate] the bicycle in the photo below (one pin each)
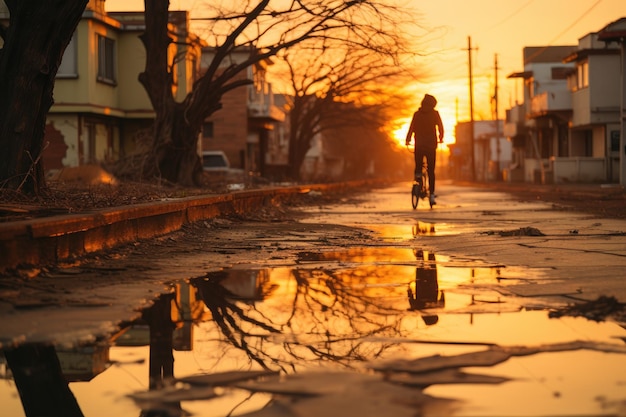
(420, 189)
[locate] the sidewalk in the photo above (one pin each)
(606, 200)
(52, 239)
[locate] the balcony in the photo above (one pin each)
(266, 112)
(514, 123)
(261, 105)
(550, 102)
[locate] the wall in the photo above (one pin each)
(580, 169)
(230, 126)
(131, 62)
(598, 149)
(605, 97)
(75, 90)
(581, 107)
(67, 125)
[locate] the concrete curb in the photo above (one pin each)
(50, 240)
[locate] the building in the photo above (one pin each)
(101, 111)
(539, 127)
(491, 149)
(615, 33)
(593, 146)
(568, 127)
(250, 127)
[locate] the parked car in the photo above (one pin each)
(217, 162)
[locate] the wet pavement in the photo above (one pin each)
(364, 307)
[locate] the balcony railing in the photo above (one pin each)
(261, 105)
(265, 111)
(548, 102)
(515, 118)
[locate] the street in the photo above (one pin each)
(364, 306)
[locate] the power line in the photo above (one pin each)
(582, 16)
(515, 13)
(540, 51)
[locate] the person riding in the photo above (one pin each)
(427, 130)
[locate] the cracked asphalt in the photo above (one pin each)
(576, 257)
(547, 255)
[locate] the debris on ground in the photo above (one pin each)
(522, 231)
(600, 309)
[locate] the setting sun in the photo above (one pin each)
(399, 134)
(452, 105)
(449, 122)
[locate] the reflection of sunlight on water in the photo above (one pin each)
(517, 328)
(576, 383)
(411, 231)
(107, 394)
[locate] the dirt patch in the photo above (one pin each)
(522, 231)
(62, 197)
(601, 200)
(601, 309)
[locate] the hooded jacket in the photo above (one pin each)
(425, 123)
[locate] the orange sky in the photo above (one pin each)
(502, 27)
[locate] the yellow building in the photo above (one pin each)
(101, 110)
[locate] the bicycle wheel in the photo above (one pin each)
(415, 195)
(424, 192)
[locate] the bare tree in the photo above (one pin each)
(33, 42)
(265, 31)
(363, 138)
(337, 85)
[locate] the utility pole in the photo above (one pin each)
(471, 104)
(495, 97)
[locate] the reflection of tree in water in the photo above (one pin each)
(326, 316)
(40, 382)
(230, 317)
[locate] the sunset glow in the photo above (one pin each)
(452, 104)
(498, 37)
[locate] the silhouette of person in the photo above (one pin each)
(427, 130)
(427, 294)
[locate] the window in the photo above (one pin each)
(68, 69)
(615, 134)
(106, 59)
(207, 130)
(560, 73)
(583, 74)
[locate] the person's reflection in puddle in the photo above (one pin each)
(427, 294)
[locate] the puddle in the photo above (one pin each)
(369, 311)
(416, 229)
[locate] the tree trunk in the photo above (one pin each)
(176, 139)
(297, 153)
(303, 125)
(38, 33)
(176, 132)
(39, 380)
(161, 365)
